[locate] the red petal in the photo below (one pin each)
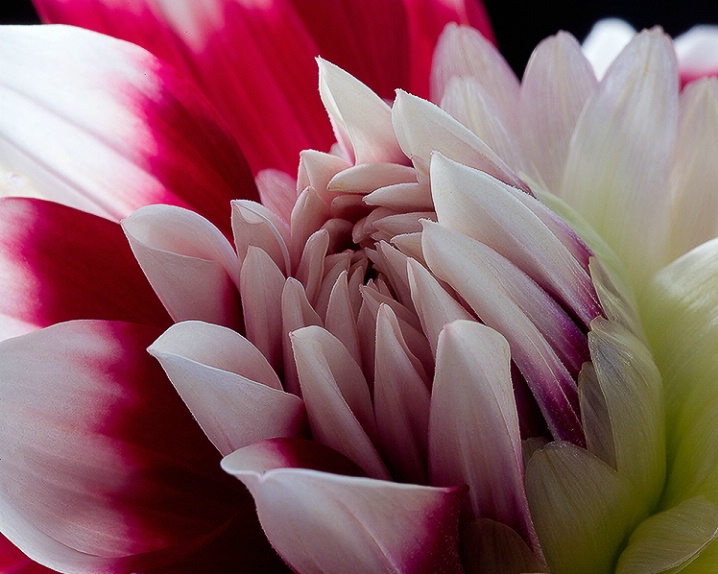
(58, 264)
(102, 467)
(253, 60)
(110, 128)
(12, 561)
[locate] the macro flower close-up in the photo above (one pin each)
(324, 287)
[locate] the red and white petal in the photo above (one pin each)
(253, 61)
(361, 119)
(228, 386)
(618, 167)
(474, 430)
(336, 396)
(189, 263)
(59, 264)
(12, 561)
(548, 109)
(111, 128)
(322, 522)
(697, 52)
(110, 440)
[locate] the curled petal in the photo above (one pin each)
(221, 378)
(321, 522)
(337, 398)
(190, 265)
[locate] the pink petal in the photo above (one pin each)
(57, 264)
(261, 285)
(401, 401)
(361, 119)
(228, 385)
(110, 440)
(253, 61)
(422, 128)
(321, 522)
(190, 265)
(483, 208)
(474, 430)
(118, 129)
(337, 398)
(254, 224)
(541, 336)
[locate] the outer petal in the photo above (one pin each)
(321, 522)
(57, 264)
(118, 129)
(618, 166)
(108, 439)
(253, 60)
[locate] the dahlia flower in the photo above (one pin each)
(472, 331)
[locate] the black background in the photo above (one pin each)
(521, 24)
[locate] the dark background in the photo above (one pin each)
(521, 24)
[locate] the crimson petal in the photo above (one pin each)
(59, 264)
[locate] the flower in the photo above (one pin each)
(406, 303)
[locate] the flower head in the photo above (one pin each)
(406, 357)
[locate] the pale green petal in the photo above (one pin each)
(669, 541)
(681, 317)
(632, 389)
(582, 509)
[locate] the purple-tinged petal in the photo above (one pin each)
(110, 440)
(118, 130)
(321, 522)
(252, 60)
(228, 386)
(475, 204)
(337, 398)
(474, 430)
(189, 263)
(542, 337)
(59, 264)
